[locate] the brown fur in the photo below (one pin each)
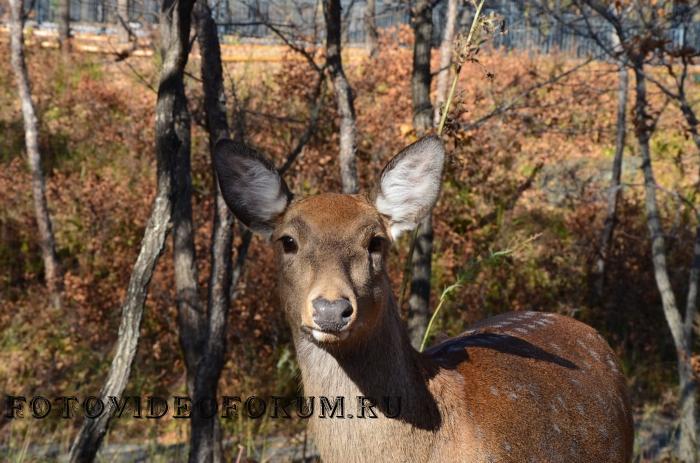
(519, 387)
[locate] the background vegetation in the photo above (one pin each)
(536, 174)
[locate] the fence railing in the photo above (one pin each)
(303, 18)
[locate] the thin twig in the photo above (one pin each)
(443, 297)
(502, 108)
(457, 67)
(311, 126)
(473, 268)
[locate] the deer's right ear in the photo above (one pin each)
(409, 184)
(250, 185)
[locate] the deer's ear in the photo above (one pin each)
(410, 183)
(250, 185)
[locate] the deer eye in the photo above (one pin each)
(376, 245)
(289, 246)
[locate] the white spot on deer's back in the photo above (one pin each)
(589, 350)
(531, 390)
(573, 450)
(493, 390)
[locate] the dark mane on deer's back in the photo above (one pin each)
(456, 350)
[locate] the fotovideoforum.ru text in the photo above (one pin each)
(182, 407)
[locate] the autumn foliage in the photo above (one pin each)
(534, 173)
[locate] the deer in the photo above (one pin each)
(523, 386)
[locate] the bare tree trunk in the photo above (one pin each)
(371, 36)
(205, 438)
(445, 59)
(615, 182)
(688, 382)
(679, 333)
(419, 298)
(175, 36)
(176, 123)
(86, 11)
(343, 96)
(89, 439)
(123, 19)
(422, 22)
(52, 272)
(690, 117)
(63, 23)
(108, 11)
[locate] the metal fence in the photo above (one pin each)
(249, 18)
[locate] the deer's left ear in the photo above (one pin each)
(409, 184)
(250, 185)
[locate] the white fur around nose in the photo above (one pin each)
(410, 184)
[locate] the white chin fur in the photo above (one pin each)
(321, 336)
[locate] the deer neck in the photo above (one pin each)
(385, 368)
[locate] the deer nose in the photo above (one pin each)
(332, 315)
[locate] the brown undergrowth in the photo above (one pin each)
(540, 167)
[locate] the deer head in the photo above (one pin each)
(331, 248)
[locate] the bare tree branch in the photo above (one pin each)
(445, 59)
(205, 438)
(512, 103)
(422, 245)
(614, 191)
(343, 95)
(175, 30)
(317, 103)
(275, 28)
(47, 243)
(370, 22)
